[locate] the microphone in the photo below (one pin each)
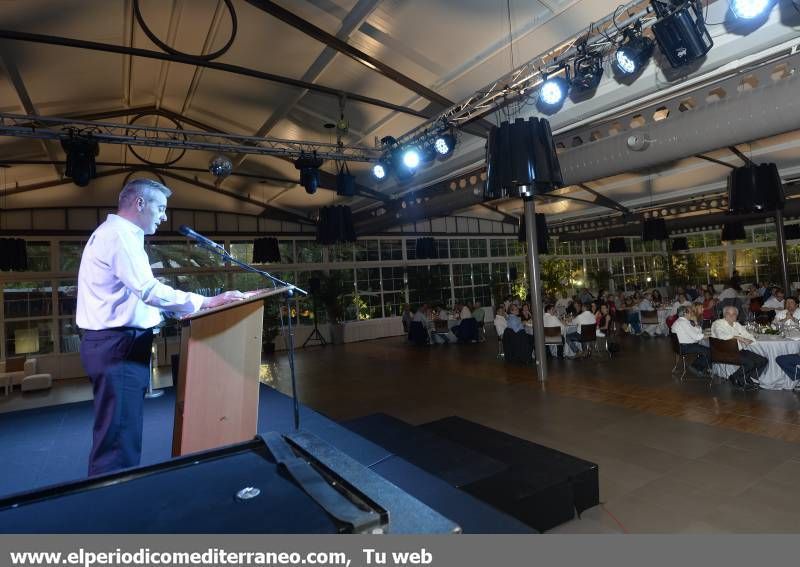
(189, 233)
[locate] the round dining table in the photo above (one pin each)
(770, 347)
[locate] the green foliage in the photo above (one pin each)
(332, 296)
(427, 283)
(557, 275)
(601, 279)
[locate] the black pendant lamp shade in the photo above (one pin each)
(13, 254)
(733, 230)
(654, 229)
(755, 189)
(335, 225)
(265, 251)
(617, 245)
(541, 233)
(426, 248)
(521, 160)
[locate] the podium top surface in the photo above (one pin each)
(249, 297)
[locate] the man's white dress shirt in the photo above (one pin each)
(720, 329)
(773, 303)
(783, 314)
(686, 332)
(552, 321)
(585, 318)
(116, 287)
(728, 293)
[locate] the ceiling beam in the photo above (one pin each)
(604, 201)
(50, 149)
(357, 16)
(56, 182)
(740, 155)
(505, 215)
(366, 60)
(714, 160)
(189, 60)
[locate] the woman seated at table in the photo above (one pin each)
(525, 313)
(791, 311)
(603, 321)
(657, 299)
(752, 364)
(681, 301)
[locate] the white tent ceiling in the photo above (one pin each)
(453, 47)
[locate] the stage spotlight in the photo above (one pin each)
(411, 157)
(588, 70)
(309, 165)
(444, 144)
(553, 93)
(750, 9)
(81, 151)
(634, 52)
(681, 31)
(378, 171)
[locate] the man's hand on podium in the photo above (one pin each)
(222, 299)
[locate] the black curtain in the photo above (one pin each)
(13, 254)
(265, 250)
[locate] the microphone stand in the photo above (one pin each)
(219, 251)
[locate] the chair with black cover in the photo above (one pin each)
(467, 331)
(553, 337)
(517, 346)
(726, 352)
(680, 355)
(588, 337)
(418, 334)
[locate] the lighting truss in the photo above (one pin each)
(517, 84)
(51, 128)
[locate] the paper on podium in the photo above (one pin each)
(249, 296)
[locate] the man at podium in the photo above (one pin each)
(119, 303)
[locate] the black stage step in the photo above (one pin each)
(539, 486)
(542, 487)
(454, 463)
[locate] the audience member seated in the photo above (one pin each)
(551, 320)
(420, 325)
(603, 321)
(791, 311)
(574, 308)
(690, 335)
(407, 317)
(586, 296)
(729, 328)
(500, 323)
(517, 345)
(585, 318)
(775, 301)
(525, 313)
(465, 312)
(728, 293)
(513, 321)
(467, 331)
(656, 297)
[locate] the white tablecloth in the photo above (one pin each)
(661, 328)
(770, 347)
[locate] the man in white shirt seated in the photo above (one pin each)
(728, 293)
(690, 336)
(791, 311)
(551, 320)
(752, 364)
(586, 317)
(119, 303)
(775, 301)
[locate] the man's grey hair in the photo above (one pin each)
(681, 311)
(141, 187)
(729, 308)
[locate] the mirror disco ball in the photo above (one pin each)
(220, 167)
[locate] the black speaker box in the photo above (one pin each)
(755, 189)
(654, 229)
(733, 230)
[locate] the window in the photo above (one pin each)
(411, 249)
(70, 255)
(366, 251)
(477, 248)
(38, 256)
(307, 252)
(497, 247)
(342, 252)
(459, 248)
(391, 250)
(286, 248)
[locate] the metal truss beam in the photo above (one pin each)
(50, 128)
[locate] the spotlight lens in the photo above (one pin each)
(378, 171)
(552, 92)
(441, 146)
(411, 158)
(749, 9)
(625, 61)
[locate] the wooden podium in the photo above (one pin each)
(216, 400)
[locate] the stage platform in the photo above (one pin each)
(275, 414)
(540, 486)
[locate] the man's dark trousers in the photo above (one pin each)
(118, 364)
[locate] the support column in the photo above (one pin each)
(781, 242)
(536, 290)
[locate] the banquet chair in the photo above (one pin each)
(726, 352)
(648, 317)
(499, 331)
(553, 337)
(681, 355)
(588, 337)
